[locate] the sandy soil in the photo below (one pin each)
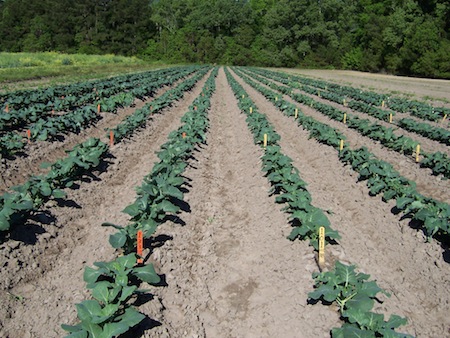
(432, 90)
(229, 269)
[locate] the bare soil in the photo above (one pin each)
(229, 269)
(434, 91)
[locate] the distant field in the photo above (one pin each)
(431, 90)
(28, 70)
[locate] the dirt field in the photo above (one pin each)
(230, 271)
(431, 90)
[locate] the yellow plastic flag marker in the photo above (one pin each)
(243, 95)
(345, 103)
(321, 247)
(443, 119)
(140, 246)
(341, 145)
(251, 110)
(318, 94)
(276, 98)
(382, 104)
(345, 118)
(296, 112)
(265, 141)
(390, 118)
(417, 152)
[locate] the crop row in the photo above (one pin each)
(24, 199)
(22, 107)
(115, 284)
(425, 129)
(352, 291)
(382, 179)
(438, 162)
(49, 128)
(415, 108)
(140, 116)
(37, 190)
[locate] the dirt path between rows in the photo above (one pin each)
(231, 272)
(48, 274)
(374, 239)
(427, 145)
(18, 171)
(434, 91)
(427, 184)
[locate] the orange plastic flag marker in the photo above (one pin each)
(53, 112)
(111, 138)
(140, 246)
(183, 135)
(98, 108)
(195, 107)
(7, 108)
(29, 135)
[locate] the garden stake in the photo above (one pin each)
(140, 246)
(321, 248)
(111, 138)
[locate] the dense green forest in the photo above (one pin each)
(396, 36)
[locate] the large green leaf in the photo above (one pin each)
(147, 274)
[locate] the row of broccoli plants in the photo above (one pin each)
(352, 291)
(115, 284)
(29, 197)
(50, 128)
(382, 179)
(18, 110)
(438, 162)
(433, 133)
(140, 116)
(415, 108)
(287, 185)
(23, 200)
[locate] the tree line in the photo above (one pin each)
(409, 37)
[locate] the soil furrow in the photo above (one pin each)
(18, 171)
(380, 244)
(427, 184)
(49, 271)
(231, 272)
